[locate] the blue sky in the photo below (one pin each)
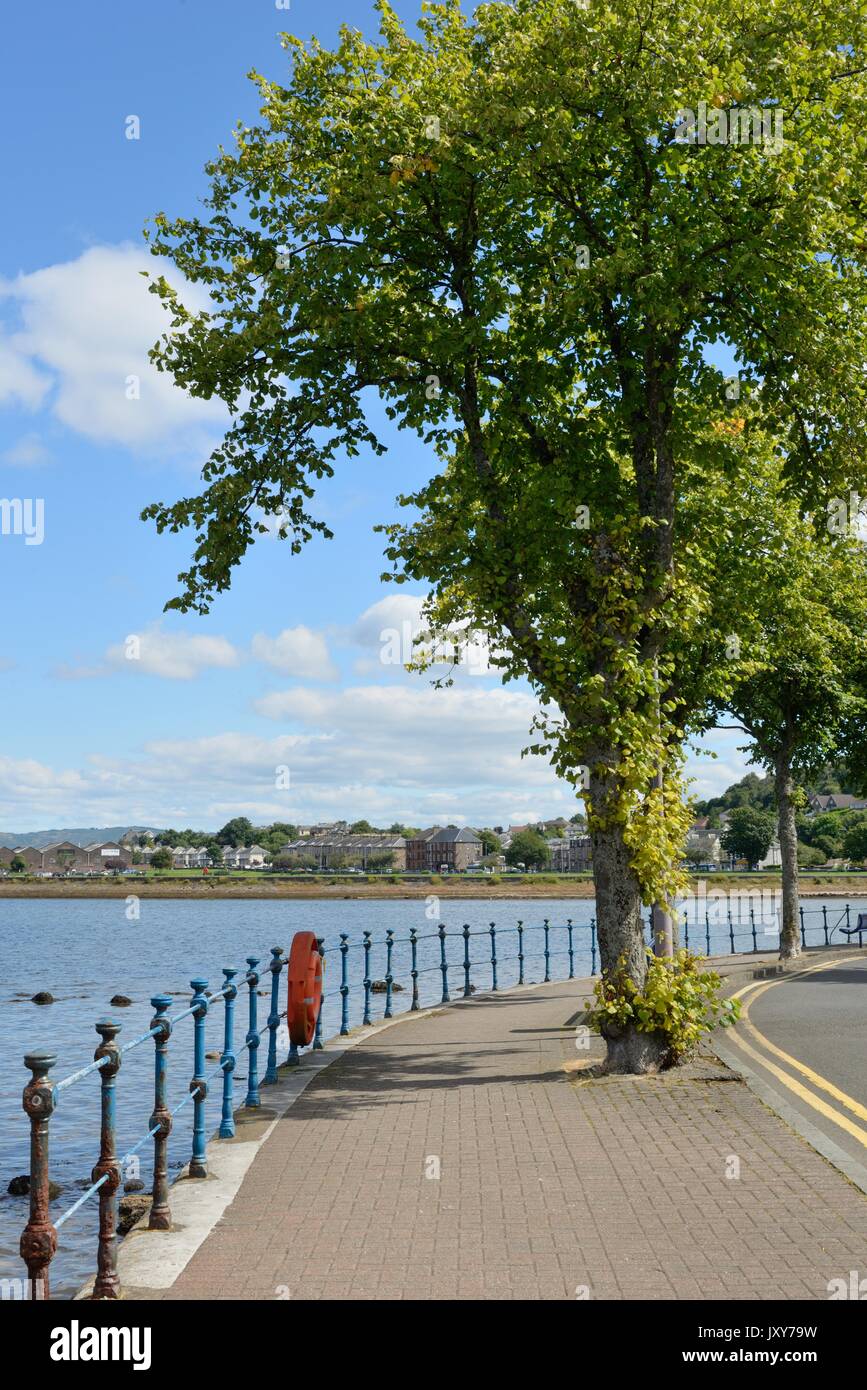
(286, 671)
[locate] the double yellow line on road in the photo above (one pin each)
(820, 1083)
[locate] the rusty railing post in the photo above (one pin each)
(160, 1218)
(107, 1284)
(39, 1238)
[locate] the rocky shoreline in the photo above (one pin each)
(815, 886)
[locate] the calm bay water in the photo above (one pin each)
(85, 951)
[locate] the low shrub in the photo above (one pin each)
(679, 1001)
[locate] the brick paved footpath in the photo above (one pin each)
(548, 1182)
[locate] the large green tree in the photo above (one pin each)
(809, 686)
(528, 848)
(238, 831)
(513, 230)
(748, 834)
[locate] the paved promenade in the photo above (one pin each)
(549, 1185)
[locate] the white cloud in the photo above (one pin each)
(350, 756)
(390, 612)
(176, 656)
(434, 741)
(296, 651)
(86, 328)
(389, 628)
(20, 382)
(27, 451)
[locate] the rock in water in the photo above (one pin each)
(20, 1187)
(120, 1001)
(43, 997)
(130, 1210)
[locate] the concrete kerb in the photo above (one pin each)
(150, 1261)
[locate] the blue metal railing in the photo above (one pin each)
(39, 1239)
(714, 933)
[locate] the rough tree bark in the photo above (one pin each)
(790, 934)
(620, 931)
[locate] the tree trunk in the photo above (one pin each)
(790, 934)
(620, 931)
(662, 923)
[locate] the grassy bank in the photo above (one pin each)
(177, 884)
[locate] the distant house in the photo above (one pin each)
(836, 801)
(773, 859)
(572, 854)
(256, 857)
(107, 854)
(31, 857)
(704, 841)
(190, 857)
(244, 857)
(443, 848)
(64, 857)
(339, 849)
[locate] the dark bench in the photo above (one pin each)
(860, 926)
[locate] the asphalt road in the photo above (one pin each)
(802, 1039)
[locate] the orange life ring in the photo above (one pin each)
(305, 988)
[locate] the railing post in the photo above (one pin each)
(707, 931)
(413, 945)
(107, 1284)
(160, 1218)
(825, 919)
(389, 946)
(275, 966)
(753, 929)
(493, 931)
(251, 1100)
(803, 932)
(731, 927)
(39, 1238)
(520, 952)
(317, 1032)
(686, 927)
(443, 965)
(227, 1060)
(466, 932)
(571, 950)
(592, 945)
(199, 1083)
(344, 984)
(547, 954)
(366, 944)
(847, 921)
